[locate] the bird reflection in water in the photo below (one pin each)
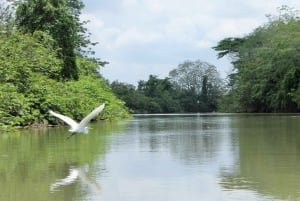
(76, 174)
(71, 178)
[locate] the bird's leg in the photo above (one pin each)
(70, 136)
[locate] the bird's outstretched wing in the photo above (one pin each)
(90, 116)
(66, 119)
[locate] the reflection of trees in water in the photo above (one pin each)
(264, 150)
(269, 157)
(192, 139)
(34, 159)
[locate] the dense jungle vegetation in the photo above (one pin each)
(266, 64)
(195, 86)
(46, 64)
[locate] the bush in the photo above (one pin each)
(30, 85)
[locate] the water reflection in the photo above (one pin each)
(170, 158)
(71, 178)
(33, 161)
(217, 157)
(77, 174)
(157, 157)
(192, 139)
(269, 161)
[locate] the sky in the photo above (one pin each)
(152, 37)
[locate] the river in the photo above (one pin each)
(190, 157)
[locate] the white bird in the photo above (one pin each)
(82, 126)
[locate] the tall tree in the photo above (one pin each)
(266, 62)
(161, 93)
(200, 84)
(59, 19)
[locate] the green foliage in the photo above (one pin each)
(34, 63)
(266, 62)
(30, 86)
(192, 87)
(228, 46)
(152, 96)
(199, 84)
(26, 55)
(59, 19)
(162, 95)
(13, 106)
(126, 92)
(23, 59)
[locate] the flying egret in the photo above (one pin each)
(82, 126)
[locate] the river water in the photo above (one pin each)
(156, 158)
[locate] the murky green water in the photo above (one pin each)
(157, 157)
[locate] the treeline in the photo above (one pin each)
(266, 62)
(194, 86)
(46, 64)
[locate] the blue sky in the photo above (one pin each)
(143, 37)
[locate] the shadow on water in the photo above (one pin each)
(33, 163)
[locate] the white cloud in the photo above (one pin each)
(127, 3)
(94, 21)
(204, 44)
(134, 72)
(232, 28)
(134, 36)
(142, 37)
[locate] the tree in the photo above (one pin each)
(162, 92)
(30, 75)
(59, 19)
(228, 46)
(133, 100)
(266, 65)
(152, 96)
(29, 85)
(200, 85)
